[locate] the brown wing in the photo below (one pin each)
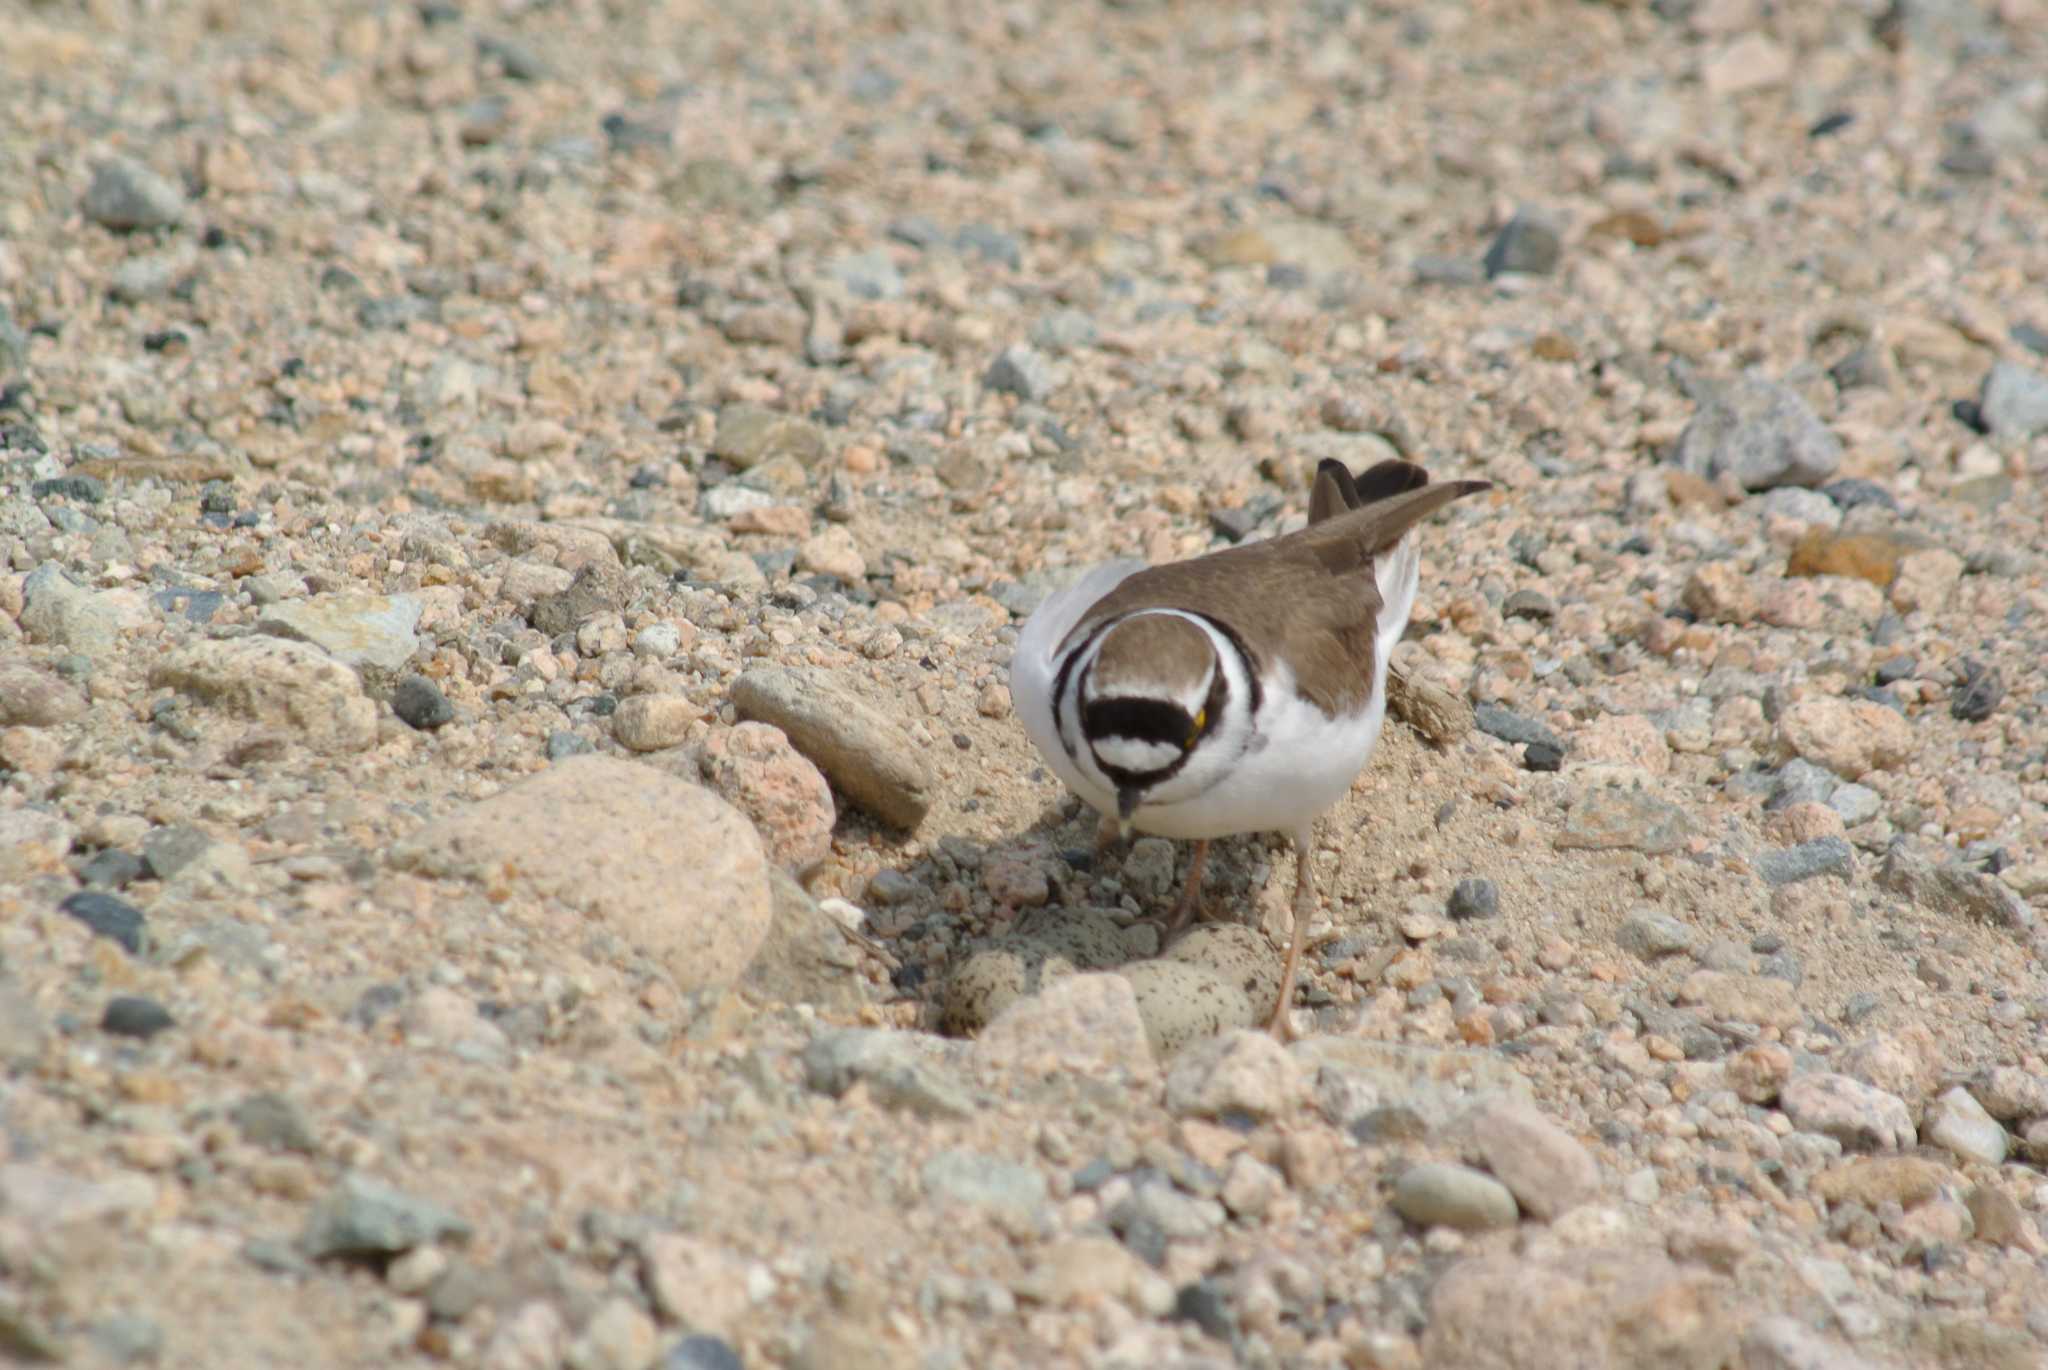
(1281, 591)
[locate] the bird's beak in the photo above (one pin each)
(1126, 805)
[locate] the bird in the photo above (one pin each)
(1239, 691)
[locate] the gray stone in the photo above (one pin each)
(166, 851)
(701, 1351)
(871, 275)
(127, 1338)
(62, 613)
(864, 753)
(1512, 727)
(1353, 1078)
(1782, 1342)
(365, 1217)
(1624, 820)
(899, 1069)
(273, 1122)
(1023, 371)
(2014, 400)
(1857, 1115)
(419, 702)
(1012, 1192)
(1799, 781)
(365, 632)
(1440, 1194)
(1527, 243)
(1959, 1124)
(1953, 890)
(1475, 898)
(125, 196)
(805, 958)
(1064, 330)
(1821, 856)
(1176, 1215)
(1857, 804)
(1650, 933)
(1759, 431)
(22, 1030)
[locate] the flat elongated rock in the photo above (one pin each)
(1352, 1077)
(666, 865)
(361, 631)
(1853, 1113)
(1952, 889)
(1546, 1168)
(862, 751)
(286, 684)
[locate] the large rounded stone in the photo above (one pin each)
(666, 865)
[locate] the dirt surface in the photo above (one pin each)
(514, 524)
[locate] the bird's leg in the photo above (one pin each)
(1282, 1024)
(1107, 831)
(1191, 893)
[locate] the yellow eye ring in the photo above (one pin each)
(1201, 722)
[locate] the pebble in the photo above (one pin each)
(1998, 1220)
(1978, 694)
(1602, 1307)
(34, 698)
(266, 680)
(130, 1015)
(1012, 1194)
(126, 196)
(1783, 1342)
(1473, 898)
(2009, 1093)
(1528, 243)
(1439, 1193)
(694, 1281)
(419, 702)
(1719, 592)
(1238, 1073)
(699, 908)
(756, 769)
(1512, 727)
(1821, 856)
(1850, 737)
(899, 1070)
(58, 611)
(365, 632)
(1857, 804)
(1762, 1000)
(112, 918)
(863, 752)
(654, 722)
(275, 1123)
(1758, 1073)
(1857, 1115)
(1148, 868)
(1959, 1124)
(2014, 400)
(1023, 371)
(1085, 1022)
(1616, 819)
(1951, 890)
(365, 1217)
(1546, 1168)
(749, 436)
(1651, 933)
(1759, 431)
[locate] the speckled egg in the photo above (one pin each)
(1184, 1001)
(1242, 956)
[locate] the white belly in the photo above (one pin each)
(1298, 766)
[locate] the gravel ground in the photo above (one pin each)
(514, 851)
